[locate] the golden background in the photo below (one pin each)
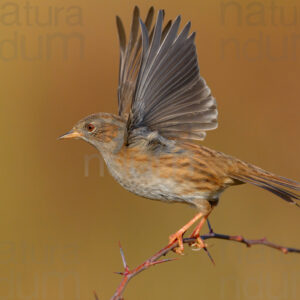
(61, 220)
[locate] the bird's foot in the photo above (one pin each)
(177, 237)
(198, 244)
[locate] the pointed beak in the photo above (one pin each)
(72, 134)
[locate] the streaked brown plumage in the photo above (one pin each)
(164, 105)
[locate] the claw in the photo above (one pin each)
(177, 237)
(199, 244)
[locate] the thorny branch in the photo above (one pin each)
(155, 259)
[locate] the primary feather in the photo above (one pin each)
(160, 83)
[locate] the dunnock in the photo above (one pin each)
(165, 105)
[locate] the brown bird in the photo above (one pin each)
(165, 105)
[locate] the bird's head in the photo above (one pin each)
(102, 130)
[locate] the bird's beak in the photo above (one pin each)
(72, 134)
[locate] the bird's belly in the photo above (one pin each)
(148, 185)
(164, 190)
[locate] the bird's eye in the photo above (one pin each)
(90, 127)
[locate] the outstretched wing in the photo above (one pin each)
(170, 96)
(130, 58)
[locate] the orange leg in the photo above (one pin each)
(196, 233)
(177, 236)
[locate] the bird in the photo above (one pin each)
(165, 107)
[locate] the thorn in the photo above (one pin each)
(207, 252)
(119, 273)
(96, 296)
(209, 226)
(162, 261)
(210, 257)
(123, 258)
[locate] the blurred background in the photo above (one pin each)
(62, 214)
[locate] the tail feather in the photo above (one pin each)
(291, 184)
(277, 185)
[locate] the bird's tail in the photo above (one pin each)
(280, 186)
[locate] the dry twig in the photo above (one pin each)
(155, 259)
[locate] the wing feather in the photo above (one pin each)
(170, 96)
(130, 59)
(160, 87)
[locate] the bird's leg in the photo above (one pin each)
(196, 233)
(177, 236)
